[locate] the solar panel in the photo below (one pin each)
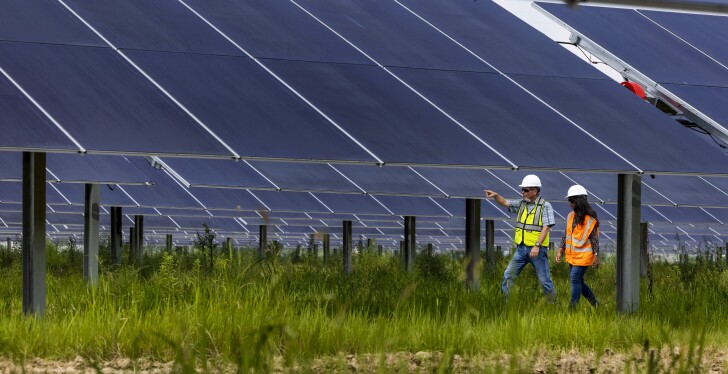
(247, 107)
(707, 33)
(43, 21)
(109, 195)
(499, 112)
(354, 204)
(103, 102)
(628, 125)
(388, 180)
(392, 36)
(276, 29)
(384, 115)
(412, 206)
(160, 25)
(496, 36)
(640, 42)
(24, 125)
(220, 173)
(305, 177)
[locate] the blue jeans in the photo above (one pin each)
(578, 287)
(520, 259)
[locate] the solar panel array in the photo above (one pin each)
(409, 83)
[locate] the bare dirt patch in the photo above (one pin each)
(539, 361)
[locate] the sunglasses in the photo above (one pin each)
(571, 199)
(527, 189)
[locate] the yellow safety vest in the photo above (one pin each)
(528, 226)
(578, 246)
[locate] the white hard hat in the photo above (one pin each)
(530, 180)
(576, 190)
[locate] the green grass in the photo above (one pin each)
(246, 312)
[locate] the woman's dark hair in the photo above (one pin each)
(582, 208)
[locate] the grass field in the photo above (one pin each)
(294, 312)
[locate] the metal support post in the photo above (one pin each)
(629, 190)
(380, 249)
(115, 237)
(34, 233)
(346, 247)
(472, 243)
(644, 249)
(138, 236)
(228, 246)
(490, 244)
(409, 242)
(9, 245)
(132, 244)
(326, 248)
(370, 243)
(91, 234)
(429, 249)
(262, 241)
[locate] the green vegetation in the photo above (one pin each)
(245, 312)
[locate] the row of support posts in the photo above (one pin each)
(34, 237)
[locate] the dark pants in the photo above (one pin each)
(579, 288)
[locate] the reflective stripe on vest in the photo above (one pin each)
(578, 246)
(529, 224)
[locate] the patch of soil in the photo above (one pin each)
(667, 359)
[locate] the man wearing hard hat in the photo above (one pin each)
(534, 218)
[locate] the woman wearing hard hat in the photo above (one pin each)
(581, 244)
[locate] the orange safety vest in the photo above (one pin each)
(578, 246)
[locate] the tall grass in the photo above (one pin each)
(245, 311)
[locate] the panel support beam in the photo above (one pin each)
(91, 234)
(169, 243)
(472, 243)
(346, 247)
(34, 233)
(629, 192)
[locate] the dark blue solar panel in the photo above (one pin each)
(456, 207)
(24, 126)
(165, 191)
(305, 177)
(392, 35)
(412, 206)
(721, 214)
(276, 29)
(388, 180)
(604, 187)
(498, 37)
(43, 21)
(247, 107)
(384, 115)
(94, 168)
(355, 204)
(227, 199)
(103, 102)
(553, 185)
(160, 25)
(710, 101)
(109, 195)
(461, 182)
(641, 44)
(707, 33)
(687, 190)
(628, 124)
(677, 214)
(290, 201)
(499, 111)
(206, 172)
